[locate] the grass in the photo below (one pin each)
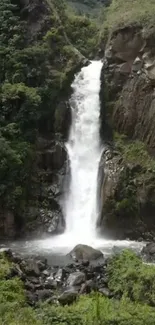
(98, 310)
(134, 152)
(128, 12)
(128, 277)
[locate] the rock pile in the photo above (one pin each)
(43, 282)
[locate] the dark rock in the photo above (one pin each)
(50, 283)
(76, 278)
(16, 258)
(19, 272)
(31, 298)
(23, 264)
(7, 224)
(85, 263)
(87, 287)
(60, 275)
(29, 286)
(149, 252)
(55, 157)
(149, 249)
(39, 286)
(68, 297)
(126, 204)
(46, 273)
(44, 294)
(32, 268)
(33, 280)
(84, 252)
(41, 266)
(105, 292)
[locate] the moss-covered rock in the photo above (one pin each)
(127, 98)
(127, 190)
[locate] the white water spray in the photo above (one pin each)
(80, 204)
(80, 208)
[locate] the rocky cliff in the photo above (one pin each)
(128, 106)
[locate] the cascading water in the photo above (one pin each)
(80, 208)
(84, 150)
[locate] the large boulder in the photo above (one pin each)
(126, 194)
(84, 252)
(75, 279)
(68, 297)
(148, 252)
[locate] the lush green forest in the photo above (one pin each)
(42, 45)
(36, 70)
(90, 8)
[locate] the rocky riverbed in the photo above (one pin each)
(86, 272)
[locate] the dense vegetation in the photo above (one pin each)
(134, 152)
(132, 283)
(89, 7)
(36, 70)
(122, 12)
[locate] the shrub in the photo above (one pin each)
(97, 310)
(130, 277)
(134, 152)
(127, 12)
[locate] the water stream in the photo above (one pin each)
(84, 150)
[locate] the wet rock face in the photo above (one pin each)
(46, 217)
(129, 75)
(57, 284)
(126, 196)
(7, 224)
(84, 252)
(148, 252)
(76, 278)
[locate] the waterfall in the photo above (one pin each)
(84, 150)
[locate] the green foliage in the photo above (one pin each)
(13, 307)
(91, 8)
(130, 277)
(134, 152)
(35, 73)
(20, 104)
(126, 207)
(15, 161)
(4, 267)
(83, 33)
(127, 12)
(97, 310)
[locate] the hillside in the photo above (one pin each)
(41, 47)
(89, 7)
(42, 44)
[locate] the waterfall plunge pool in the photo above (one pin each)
(80, 201)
